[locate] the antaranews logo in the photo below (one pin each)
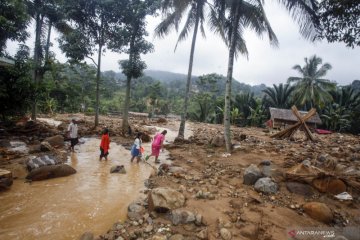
(292, 233)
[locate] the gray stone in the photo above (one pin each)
(118, 169)
(164, 199)
(300, 188)
(182, 217)
(251, 174)
(266, 185)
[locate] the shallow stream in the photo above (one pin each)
(90, 200)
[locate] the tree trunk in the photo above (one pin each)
(125, 124)
(227, 132)
(188, 80)
(98, 87)
(47, 48)
(37, 62)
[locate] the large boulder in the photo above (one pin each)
(6, 179)
(163, 199)
(51, 171)
(55, 141)
(266, 185)
(251, 174)
(318, 211)
(41, 161)
(329, 185)
(218, 141)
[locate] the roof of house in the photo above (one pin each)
(288, 115)
(6, 62)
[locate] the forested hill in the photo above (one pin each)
(170, 79)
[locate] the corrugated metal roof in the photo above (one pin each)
(6, 62)
(288, 115)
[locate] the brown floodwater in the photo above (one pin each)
(64, 208)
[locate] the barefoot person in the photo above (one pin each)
(135, 149)
(157, 145)
(104, 145)
(73, 134)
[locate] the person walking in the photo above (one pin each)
(157, 145)
(73, 134)
(136, 148)
(104, 144)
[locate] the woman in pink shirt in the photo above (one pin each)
(156, 145)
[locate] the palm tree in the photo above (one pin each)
(311, 88)
(174, 10)
(279, 96)
(237, 15)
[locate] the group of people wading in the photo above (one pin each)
(136, 150)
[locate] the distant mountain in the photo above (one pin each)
(171, 79)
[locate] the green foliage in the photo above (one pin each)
(133, 68)
(16, 89)
(279, 96)
(311, 89)
(336, 117)
(339, 21)
(13, 22)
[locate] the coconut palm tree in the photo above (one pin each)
(278, 96)
(237, 15)
(311, 88)
(174, 10)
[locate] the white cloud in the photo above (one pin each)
(265, 65)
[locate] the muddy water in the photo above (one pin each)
(90, 200)
(63, 208)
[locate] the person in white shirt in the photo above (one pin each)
(136, 148)
(73, 134)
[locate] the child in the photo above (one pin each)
(104, 145)
(135, 149)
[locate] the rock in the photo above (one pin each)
(41, 161)
(329, 185)
(249, 231)
(6, 179)
(182, 217)
(5, 143)
(198, 219)
(52, 171)
(251, 174)
(218, 141)
(135, 211)
(46, 147)
(164, 199)
(203, 234)
(145, 138)
(118, 169)
(300, 189)
(318, 211)
(55, 141)
(34, 149)
(87, 236)
(225, 234)
(177, 237)
(149, 228)
(266, 185)
(158, 237)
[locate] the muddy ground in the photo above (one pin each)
(218, 205)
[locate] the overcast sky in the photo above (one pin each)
(266, 64)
